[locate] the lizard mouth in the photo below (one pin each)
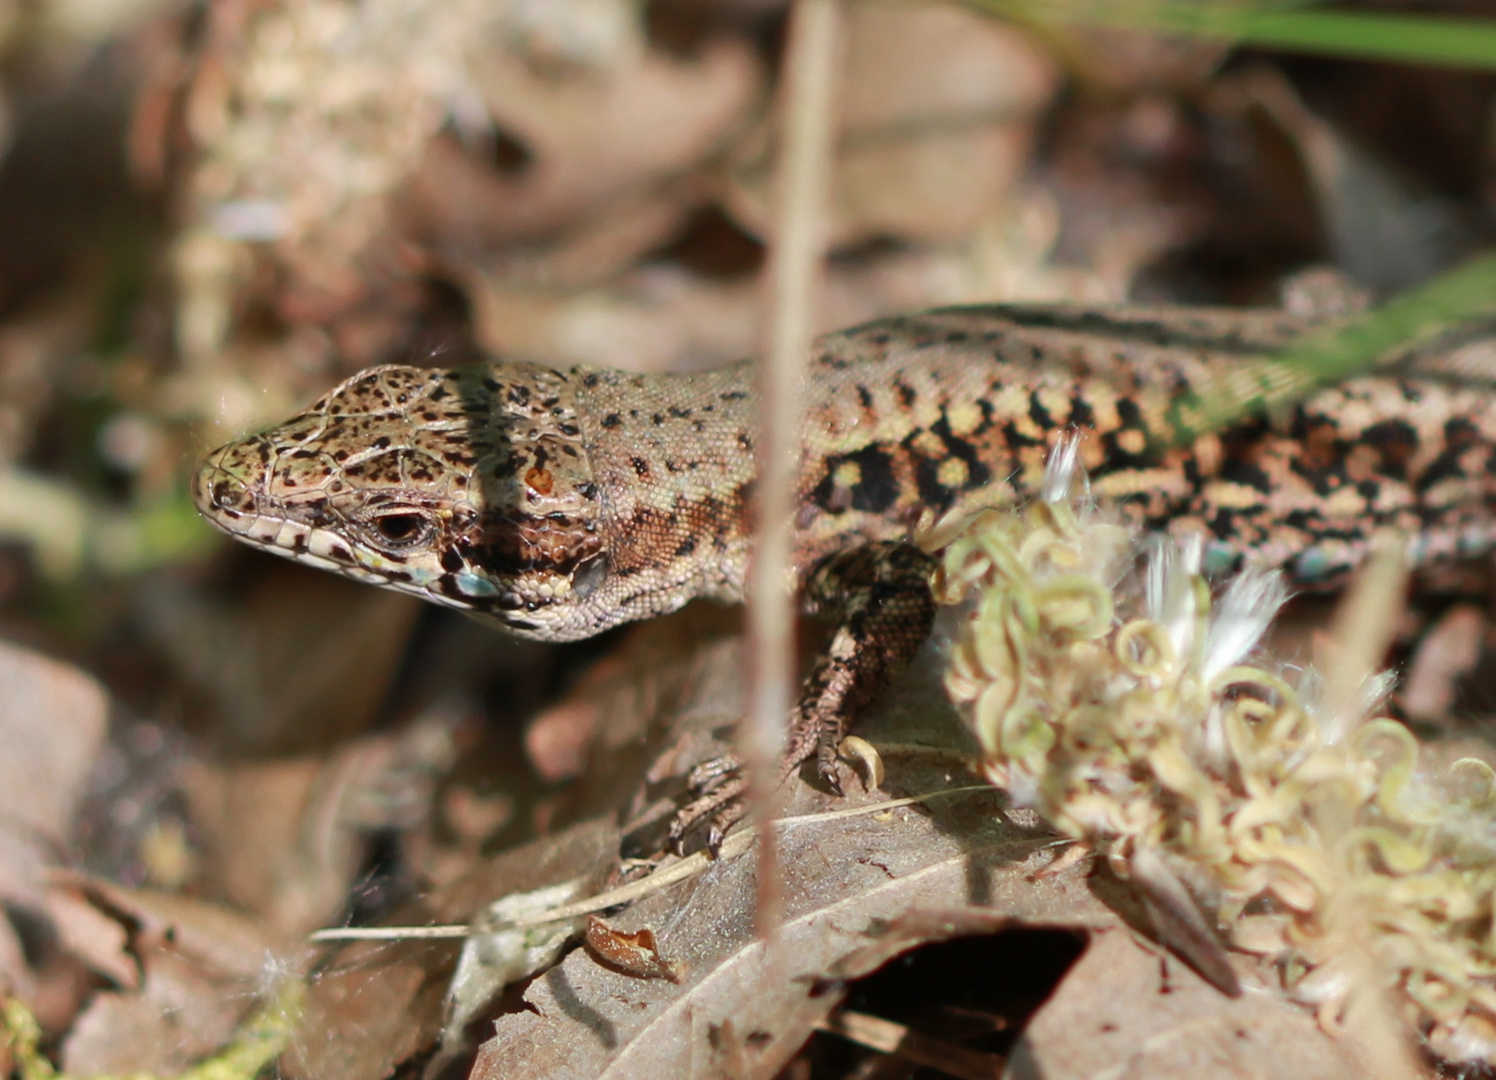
(240, 507)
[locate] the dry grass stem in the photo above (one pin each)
(795, 258)
(898, 1040)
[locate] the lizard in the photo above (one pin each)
(560, 503)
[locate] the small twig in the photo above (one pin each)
(888, 1037)
(735, 845)
(436, 932)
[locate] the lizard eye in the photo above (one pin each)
(403, 530)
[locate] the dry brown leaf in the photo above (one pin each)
(216, 938)
(936, 114)
(286, 838)
(559, 738)
(474, 817)
(52, 723)
(844, 878)
(660, 318)
(202, 968)
(180, 1015)
(99, 940)
(1129, 1010)
(589, 252)
(853, 867)
(304, 660)
(251, 819)
(326, 656)
(362, 1020)
(674, 686)
(591, 139)
(372, 1006)
(1447, 653)
(637, 953)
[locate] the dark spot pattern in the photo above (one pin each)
(876, 489)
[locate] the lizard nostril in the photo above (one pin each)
(227, 496)
(215, 491)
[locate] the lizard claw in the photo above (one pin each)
(826, 770)
(723, 820)
(718, 786)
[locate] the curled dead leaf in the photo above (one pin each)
(633, 952)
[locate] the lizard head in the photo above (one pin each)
(470, 487)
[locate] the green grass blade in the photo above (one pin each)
(1411, 39)
(1340, 352)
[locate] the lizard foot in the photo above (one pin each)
(879, 595)
(718, 786)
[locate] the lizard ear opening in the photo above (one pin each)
(587, 577)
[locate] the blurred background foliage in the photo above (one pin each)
(211, 211)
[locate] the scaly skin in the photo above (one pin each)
(563, 503)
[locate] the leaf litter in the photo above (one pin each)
(579, 180)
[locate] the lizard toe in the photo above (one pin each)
(829, 776)
(706, 777)
(718, 810)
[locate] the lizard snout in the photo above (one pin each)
(220, 495)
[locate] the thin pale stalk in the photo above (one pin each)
(794, 272)
(1365, 624)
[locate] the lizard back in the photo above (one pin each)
(563, 503)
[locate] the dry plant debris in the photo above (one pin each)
(1092, 1026)
(1122, 706)
(209, 214)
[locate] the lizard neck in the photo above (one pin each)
(673, 458)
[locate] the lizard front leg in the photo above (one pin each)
(878, 595)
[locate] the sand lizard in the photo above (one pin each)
(562, 503)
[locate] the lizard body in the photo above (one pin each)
(560, 504)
